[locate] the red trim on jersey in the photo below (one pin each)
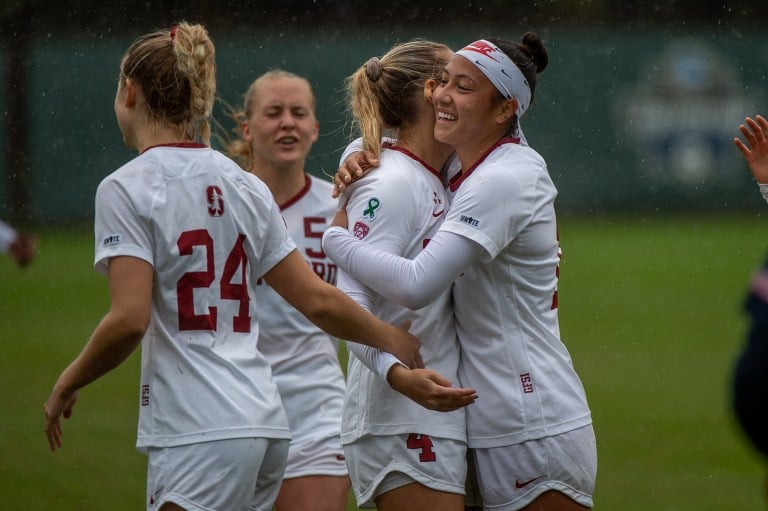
(293, 200)
(183, 145)
(459, 178)
(414, 157)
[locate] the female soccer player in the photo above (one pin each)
(401, 455)
(277, 128)
(183, 235)
(531, 432)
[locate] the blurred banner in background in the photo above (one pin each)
(628, 120)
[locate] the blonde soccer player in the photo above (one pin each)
(183, 235)
(530, 432)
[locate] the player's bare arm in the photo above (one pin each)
(430, 389)
(352, 169)
(114, 339)
(336, 313)
(755, 151)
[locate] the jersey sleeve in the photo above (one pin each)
(492, 209)
(277, 241)
(377, 361)
(120, 229)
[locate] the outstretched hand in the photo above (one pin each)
(352, 169)
(430, 389)
(756, 149)
(57, 406)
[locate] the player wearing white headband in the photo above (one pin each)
(531, 430)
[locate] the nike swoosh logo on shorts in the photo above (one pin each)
(519, 485)
(438, 213)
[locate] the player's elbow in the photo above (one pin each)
(413, 297)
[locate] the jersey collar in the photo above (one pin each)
(183, 145)
(414, 157)
(459, 178)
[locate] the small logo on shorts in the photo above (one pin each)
(341, 457)
(519, 485)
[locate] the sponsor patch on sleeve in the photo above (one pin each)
(112, 240)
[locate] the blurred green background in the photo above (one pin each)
(660, 222)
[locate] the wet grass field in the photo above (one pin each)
(650, 309)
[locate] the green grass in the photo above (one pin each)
(650, 310)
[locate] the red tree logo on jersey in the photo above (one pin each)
(215, 201)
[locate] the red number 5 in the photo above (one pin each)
(185, 287)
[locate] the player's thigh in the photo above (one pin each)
(381, 464)
(417, 496)
(313, 493)
(513, 477)
(220, 474)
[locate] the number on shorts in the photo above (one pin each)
(423, 442)
(185, 287)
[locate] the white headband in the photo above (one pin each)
(501, 71)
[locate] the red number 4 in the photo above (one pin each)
(185, 287)
(423, 442)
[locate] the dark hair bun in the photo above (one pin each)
(533, 46)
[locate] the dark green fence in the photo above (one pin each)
(628, 122)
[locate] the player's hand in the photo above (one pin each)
(430, 389)
(352, 169)
(405, 346)
(58, 405)
(756, 149)
(22, 249)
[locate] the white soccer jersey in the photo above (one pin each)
(303, 357)
(397, 208)
(506, 305)
(210, 231)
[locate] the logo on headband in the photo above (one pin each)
(483, 48)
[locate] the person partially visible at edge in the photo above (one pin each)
(750, 374)
(183, 235)
(402, 455)
(276, 130)
(531, 432)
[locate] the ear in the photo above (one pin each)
(506, 111)
(245, 130)
(429, 89)
(129, 89)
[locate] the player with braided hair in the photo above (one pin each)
(184, 235)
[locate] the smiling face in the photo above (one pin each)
(470, 115)
(282, 125)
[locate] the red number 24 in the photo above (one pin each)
(185, 287)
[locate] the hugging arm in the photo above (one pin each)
(412, 283)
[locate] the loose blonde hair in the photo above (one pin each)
(384, 92)
(176, 71)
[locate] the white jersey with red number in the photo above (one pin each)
(397, 208)
(210, 231)
(303, 357)
(506, 304)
